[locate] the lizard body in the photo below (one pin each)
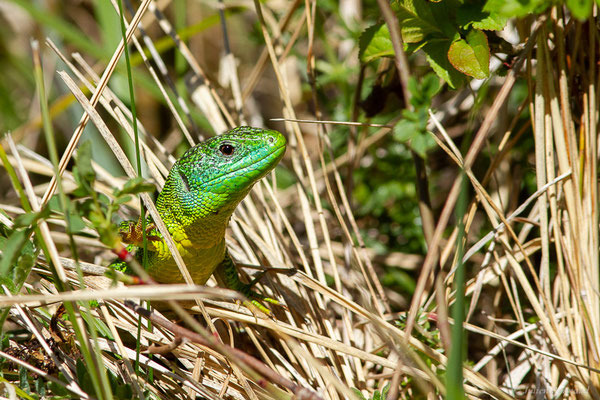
(201, 192)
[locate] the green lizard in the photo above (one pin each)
(203, 188)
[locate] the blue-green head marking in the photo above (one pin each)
(211, 178)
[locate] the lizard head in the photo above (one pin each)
(211, 178)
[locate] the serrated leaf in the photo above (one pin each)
(473, 15)
(471, 56)
(494, 22)
(405, 130)
(581, 9)
(516, 8)
(444, 17)
(437, 56)
(375, 43)
(416, 20)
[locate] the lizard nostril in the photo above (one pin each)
(271, 139)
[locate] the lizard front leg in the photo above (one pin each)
(227, 275)
(131, 233)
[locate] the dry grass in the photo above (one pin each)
(533, 276)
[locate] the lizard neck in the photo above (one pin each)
(199, 226)
(207, 232)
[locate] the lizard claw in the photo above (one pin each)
(257, 299)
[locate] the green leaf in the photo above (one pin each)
(83, 377)
(81, 191)
(23, 380)
(102, 328)
(375, 43)
(122, 200)
(471, 56)
(416, 20)
(405, 130)
(54, 204)
(437, 56)
(9, 283)
(444, 17)
(120, 389)
(59, 390)
(581, 9)
(29, 219)
(472, 14)
(411, 48)
(423, 92)
(24, 264)
(76, 223)
(430, 85)
(40, 387)
(385, 391)
(134, 186)
(11, 250)
(412, 131)
(358, 394)
(516, 8)
(494, 22)
(336, 72)
(104, 200)
(86, 206)
(83, 160)
(17, 259)
(422, 143)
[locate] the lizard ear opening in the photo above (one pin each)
(184, 179)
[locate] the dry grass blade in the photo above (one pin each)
(365, 278)
(95, 97)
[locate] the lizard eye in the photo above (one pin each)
(226, 149)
